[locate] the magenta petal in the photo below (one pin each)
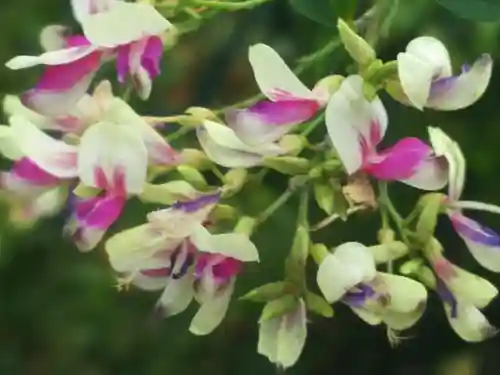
(400, 161)
(152, 55)
(28, 171)
(123, 62)
(221, 268)
(76, 41)
(99, 212)
(268, 121)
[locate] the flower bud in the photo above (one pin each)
(293, 144)
(234, 181)
(197, 116)
(426, 276)
(327, 86)
(223, 212)
(295, 263)
(192, 176)
(430, 206)
(319, 252)
(196, 159)
(411, 267)
(168, 193)
(389, 251)
(356, 46)
(266, 292)
(278, 307)
(287, 164)
(323, 193)
(83, 191)
(318, 305)
(386, 236)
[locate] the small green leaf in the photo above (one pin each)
(318, 305)
(278, 307)
(324, 195)
(266, 292)
(325, 12)
(476, 10)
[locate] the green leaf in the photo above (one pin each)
(266, 292)
(476, 10)
(318, 305)
(325, 12)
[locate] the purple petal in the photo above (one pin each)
(268, 121)
(198, 203)
(358, 296)
(447, 297)
(152, 55)
(399, 162)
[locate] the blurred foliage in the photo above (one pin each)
(59, 311)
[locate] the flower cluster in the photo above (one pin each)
(90, 151)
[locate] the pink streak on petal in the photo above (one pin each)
(100, 178)
(119, 187)
(76, 41)
(151, 57)
(100, 213)
(375, 133)
(284, 112)
(123, 62)
(398, 162)
(28, 171)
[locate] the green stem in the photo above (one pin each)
(218, 173)
(313, 125)
(303, 218)
(280, 201)
(387, 206)
(228, 5)
(179, 133)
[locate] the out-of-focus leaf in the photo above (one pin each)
(476, 10)
(325, 12)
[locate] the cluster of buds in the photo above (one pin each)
(100, 153)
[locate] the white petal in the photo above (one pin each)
(273, 76)
(443, 145)
(58, 57)
(177, 296)
(405, 294)
(268, 338)
(52, 37)
(149, 283)
(12, 105)
(84, 8)
(369, 317)
(292, 336)
(415, 76)
(50, 202)
(9, 146)
(471, 289)
(400, 321)
(349, 116)
(341, 271)
(233, 245)
(53, 156)
(470, 324)
(432, 174)
(143, 83)
(433, 52)
(212, 311)
(124, 23)
(462, 91)
(119, 152)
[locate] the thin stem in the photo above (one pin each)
(160, 120)
(478, 206)
(218, 173)
(304, 209)
(228, 5)
(313, 125)
(280, 201)
(178, 133)
(330, 219)
(387, 205)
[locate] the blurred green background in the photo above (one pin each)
(59, 312)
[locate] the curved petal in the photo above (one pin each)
(274, 77)
(177, 296)
(444, 146)
(51, 155)
(267, 121)
(483, 243)
(470, 324)
(9, 145)
(234, 245)
(52, 58)
(292, 336)
(367, 316)
(470, 289)
(53, 37)
(84, 8)
(357, 255)
(415, 76)
(268, 339)
(12, 105)
(355, 125)
(433, 52)
(113, 158)
(212, 311)
(431, 174)
(405, 294)
(124, 23)
(400, 321)
(464, 90)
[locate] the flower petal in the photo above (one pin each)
(177, 296)
(370, 317)
(114, 158)
(12, 105)
(84, 8)
(470, 324)
(274, 77)
(406, 295)
(267, 121)
(212, 311)
(433, 52)
(483, 243)
(51, 155)
(354, 124)
(415, 76)
(234, 245)
(9, 146)
(359, 256)
(444, 146)
(53, 37)
(431, 174)
(464, 90)
(268, 339)
(123, 23)
(53, 58)
(292, 336)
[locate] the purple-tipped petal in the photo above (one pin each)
(198, 203)
(267, 121)
(483, 243)
(358, 296)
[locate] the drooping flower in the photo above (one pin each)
(174, 252)
(222, 146)
(463, 295)
(356, 127)
(282, 338)
(289, 102)
(483, 243)
(426, 76)
(129, 31)
(349, 275)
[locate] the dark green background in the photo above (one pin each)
(59, 313)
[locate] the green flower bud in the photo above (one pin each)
(411, 267)
(266, 292)
(293, 144)
(196, 159)
(389, 251)
(223, 212)
(356, 46)
(296, 261)
(318, 305)
(287, 164)
(234, 181)
(168, 193)
(430, 206)
(192, 176)
(329, 85)
(197, 116)
(319, 252)
(278, 307)
(324, 196)
(426, 276)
